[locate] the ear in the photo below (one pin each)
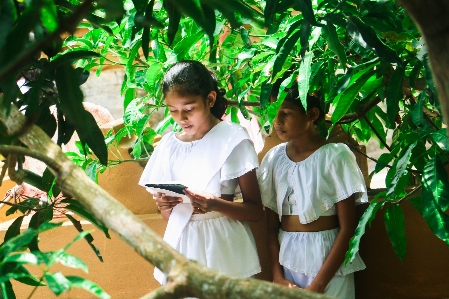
(211, 98)
(313, 114)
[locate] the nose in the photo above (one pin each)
(182, 115)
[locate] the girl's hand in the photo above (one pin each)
(315, 287)
(164, 203)
(285, 282)
(202, 202)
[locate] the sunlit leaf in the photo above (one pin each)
(88, 286)
(57, 283)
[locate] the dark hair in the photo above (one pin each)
(190, 77)
(312, 101)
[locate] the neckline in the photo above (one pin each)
(195, 141)
(306, 159)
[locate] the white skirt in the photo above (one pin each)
(305, 252)
(220, 243)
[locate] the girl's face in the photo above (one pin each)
(292, 123)
(191, 112)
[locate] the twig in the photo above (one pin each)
(18, 150)
(377, 133)
(409, 194)
(377, 161)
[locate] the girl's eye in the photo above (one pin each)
(189, 110)
(173, 111)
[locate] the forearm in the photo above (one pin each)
(273, 254)
(334, 260)
(166, 214)
(244, 211)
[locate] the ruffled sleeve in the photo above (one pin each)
(347, 177)
(269, 188)
(242, 159)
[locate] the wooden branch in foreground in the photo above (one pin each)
(185, 278)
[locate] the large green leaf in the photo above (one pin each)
(174, 17)
(21, 274)
(344, 100)
(367, 37)
(7, 290)
(418, 114)
(57, 283)
(13, 229)
(394, 94)
(435, 198)
(304, 78)
(400, 167)
(71, 98)
(8, 15)
(366, 218)
(39, 218)
(182, 48)
(395, 225)
(49, 15)
(441, 139)
(88, 286)
(70, 57)
(331, 36)
(305, 6)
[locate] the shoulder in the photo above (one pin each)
(336, 150)
(273, 155)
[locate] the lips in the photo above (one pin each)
(186, 128)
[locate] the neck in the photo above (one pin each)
(210, 122)
(306, 143)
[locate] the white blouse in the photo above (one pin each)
(242, 159)
(314, 185)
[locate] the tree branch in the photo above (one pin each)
(18, 150)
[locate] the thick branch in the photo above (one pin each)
(73, 181)
(10, 149)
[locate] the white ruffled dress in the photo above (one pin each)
(315, 185)
(212, 239)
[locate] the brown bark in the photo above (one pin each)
(185, 278)
(431, 18)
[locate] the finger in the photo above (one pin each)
(193, 193)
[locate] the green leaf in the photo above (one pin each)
(17, 242)
(49, 15)
(7, 290)
(36, 221)
(71, 57)
(395, 225)
(76, 207)
(8, 15)
(305, 6)
(394, 94)
(181, 49)
(88, 237)
(57, 283)
(441, 139)
(367, 38)
(414, 74)
(287, 47)
(400, 167)
(71, 104)
(21, 274)
(331, 36)
(435, 198)
(344, 100)
(22, 258)
(34, 180)
(154, 73)
(366, 218)
(304, 78)
(88, 286)
(418, 113)
(174, 17)
(13, 229)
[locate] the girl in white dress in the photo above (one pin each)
(212, 157)
(310, 188)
